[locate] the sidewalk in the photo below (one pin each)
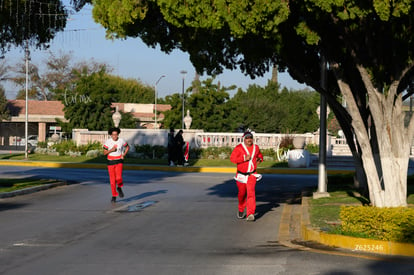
(294, 229)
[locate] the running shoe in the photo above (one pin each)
(250, 218)
(121, 194)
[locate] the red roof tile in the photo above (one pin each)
(18, 107)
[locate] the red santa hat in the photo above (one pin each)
(247, 134)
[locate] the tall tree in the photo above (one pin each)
(37, 86)
(4, 70)
(88, 105)
(208, 106)
(267, 109)
(4, 111)
(173, 117)
(133, 91)
(26, 23)
(368, 45)
(59, 74)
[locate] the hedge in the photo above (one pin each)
(388, 224)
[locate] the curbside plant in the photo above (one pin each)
(387, 224)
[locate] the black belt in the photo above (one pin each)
(246, 174)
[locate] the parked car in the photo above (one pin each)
(31, 141)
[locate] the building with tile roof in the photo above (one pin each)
(42, 117)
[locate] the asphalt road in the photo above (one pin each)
(168, 223)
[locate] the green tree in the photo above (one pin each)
(29, 22)
(300, 110)
(26, 23)
(266, 109)
(59, 74)
(56, 80)
(132, 91)
(4, 111)
(89, 104)
(367, 45)
(208, 106)
(37, 86)
(173, 117)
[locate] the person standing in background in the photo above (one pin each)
(179, 144)
(171, 148)
(115, 150)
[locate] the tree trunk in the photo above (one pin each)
(385, 167)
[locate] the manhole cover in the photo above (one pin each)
(138, 206)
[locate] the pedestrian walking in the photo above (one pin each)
(186, 153)
(115, 150)
(246, 155)
(179, 145)
(171, 148)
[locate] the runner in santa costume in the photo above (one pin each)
(115, 149)
(246, 155)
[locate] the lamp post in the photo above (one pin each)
(155, 106)
(26, 129)
(182, 119)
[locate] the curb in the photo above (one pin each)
(31, 190)
(352, 243)
(191, 169)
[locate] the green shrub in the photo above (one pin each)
(195, 153)
(96, 145)
(269, 153)
(149, 151)
(159, 151)
(286, 142)
(388, 224)
(42, 144)
(312, 148)
(65, 146)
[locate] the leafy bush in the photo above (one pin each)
(42, 144)
(65, 146)
(96, 145)
(388, 224)
(214, 152)
(269, 153)
(149, 151)
(286, 142)
(312, 148)
(195, 153)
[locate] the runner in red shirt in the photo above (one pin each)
(246, 155)
(115, 149)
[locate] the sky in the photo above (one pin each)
(131, 58)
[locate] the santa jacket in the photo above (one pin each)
(237, 157)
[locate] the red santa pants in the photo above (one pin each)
(247, 195)
(115, 177)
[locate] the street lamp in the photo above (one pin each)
(182, 119)
(155, 106)
(26, 121)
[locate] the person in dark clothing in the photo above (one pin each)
(179, 144)
(171, 148)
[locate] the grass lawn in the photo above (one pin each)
(131, 160)
(9, 185)
(324, 212)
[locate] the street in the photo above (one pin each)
(167, 223)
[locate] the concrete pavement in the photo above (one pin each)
(294, 231)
